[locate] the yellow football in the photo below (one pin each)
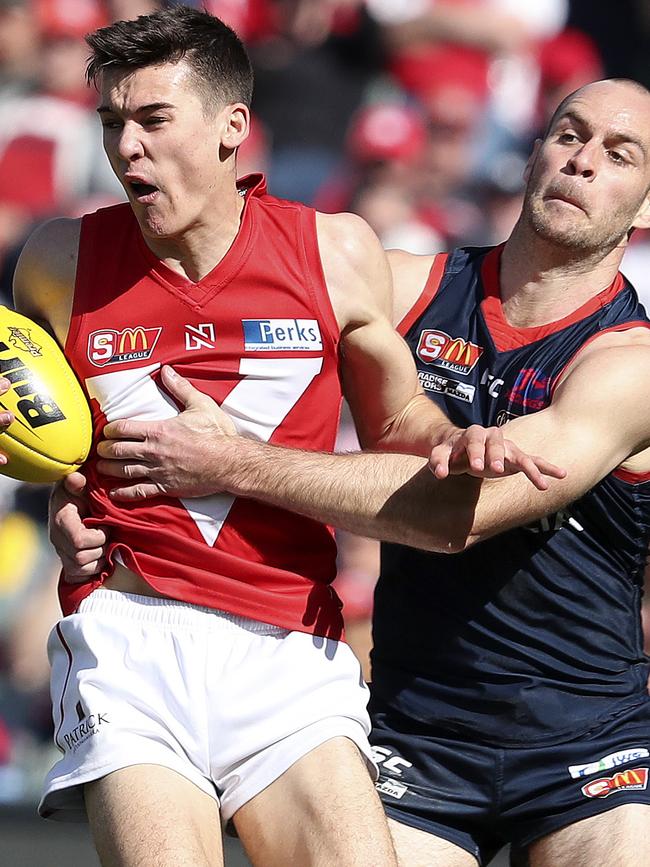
(52, 429)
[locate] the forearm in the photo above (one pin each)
(384, 496)
(418, 428)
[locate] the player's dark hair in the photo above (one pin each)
(213, 51)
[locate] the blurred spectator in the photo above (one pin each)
(19, 44)
(379, 178)
(485, 49)
(124, 10)
(50, 139)
(28, 610)
(69, 18)
(567, 61)
(313, 65)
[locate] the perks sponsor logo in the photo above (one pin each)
(603, 787)
(450, 353)
(613, 760)
(289, 335)
(531, 389)
(119, 347)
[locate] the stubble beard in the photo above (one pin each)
(580, 235)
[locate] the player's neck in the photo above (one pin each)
(197, 250)
(541, 283)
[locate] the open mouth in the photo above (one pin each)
(143, 191)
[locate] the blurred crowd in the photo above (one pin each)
(416, 114)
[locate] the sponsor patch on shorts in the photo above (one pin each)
(392, 788)
(603, 787)
(613, 760)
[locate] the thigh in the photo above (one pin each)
(438, 788)
(619, 838)
(577, 784)
(323, 810)
(417, 848)
(123, 694)
(147, 814)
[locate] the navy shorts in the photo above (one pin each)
(482, 797)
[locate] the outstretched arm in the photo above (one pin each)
(395, 497)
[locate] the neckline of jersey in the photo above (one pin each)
(199, 292)
(507, 336)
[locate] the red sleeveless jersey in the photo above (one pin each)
(258, 334)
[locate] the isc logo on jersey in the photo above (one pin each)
(450, 353)
(289, 335)
(118, 347)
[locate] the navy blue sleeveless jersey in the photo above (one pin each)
(533, 635)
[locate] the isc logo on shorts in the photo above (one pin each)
(290, 335)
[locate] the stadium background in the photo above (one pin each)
(416, 114)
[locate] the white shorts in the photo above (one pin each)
(227, 702)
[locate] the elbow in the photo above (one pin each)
(457, 534)
(451, 542)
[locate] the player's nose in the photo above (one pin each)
(583, 161)
(130, 146)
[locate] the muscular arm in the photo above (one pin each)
(380, 380)
(394, 497)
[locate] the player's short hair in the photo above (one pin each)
(214, 53)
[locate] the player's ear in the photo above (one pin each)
(236, 125)
(642, 219)
(531, 159)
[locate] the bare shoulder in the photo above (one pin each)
(611, 372)
(409, 265)
(348, 239)
(410, 274)
(45, 274)
(355, 268)
(625, 348)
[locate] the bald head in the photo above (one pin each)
(606, 86)
(588, 180)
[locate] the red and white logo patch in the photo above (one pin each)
(450, 353)
(118, 347)
(603, 787)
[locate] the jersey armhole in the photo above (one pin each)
(623, 326)
(618, 473)
(85, 259)
(426, 296)
(314, 274)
